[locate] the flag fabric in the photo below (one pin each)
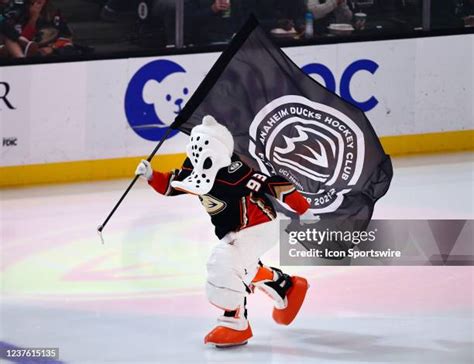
(285, 123)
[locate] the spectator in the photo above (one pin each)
(16, 45)
(9, 40)
(46, 26)
(326, 12)
(217, 20)
(464, 9)
(468, 13)
(390, 15)
(282, 14)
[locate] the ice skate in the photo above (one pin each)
(231, 330)
(288, 293)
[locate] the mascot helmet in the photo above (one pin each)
(209, 149)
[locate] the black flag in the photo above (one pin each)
(285, 123)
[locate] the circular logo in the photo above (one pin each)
(314, 146)
(154, 97)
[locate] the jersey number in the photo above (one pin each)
(253, 183)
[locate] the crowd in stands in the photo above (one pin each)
(283, 18)
(39, 28)
(34, 28)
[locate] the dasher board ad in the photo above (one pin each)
(121, 108)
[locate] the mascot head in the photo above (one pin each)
(209, 149)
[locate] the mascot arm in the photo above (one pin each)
(287, 193)
(161, 181)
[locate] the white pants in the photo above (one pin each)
(234, 263)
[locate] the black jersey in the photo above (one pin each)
(239, 197)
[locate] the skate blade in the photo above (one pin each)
(224, 346)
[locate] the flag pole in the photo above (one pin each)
(150, 157)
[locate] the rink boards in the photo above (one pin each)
(94, 120)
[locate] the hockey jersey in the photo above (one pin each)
(239, 197)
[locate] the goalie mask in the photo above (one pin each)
(210, 148)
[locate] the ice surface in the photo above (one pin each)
(140, 297)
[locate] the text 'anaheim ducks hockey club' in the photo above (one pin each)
(314, 146)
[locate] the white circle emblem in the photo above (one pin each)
(316, 147)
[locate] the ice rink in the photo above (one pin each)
(140, 297)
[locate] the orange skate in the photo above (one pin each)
(231, 330)
(295, 297)
(288, 293)
(223, 336)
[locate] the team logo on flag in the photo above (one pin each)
(284, 123)
(315, 146)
